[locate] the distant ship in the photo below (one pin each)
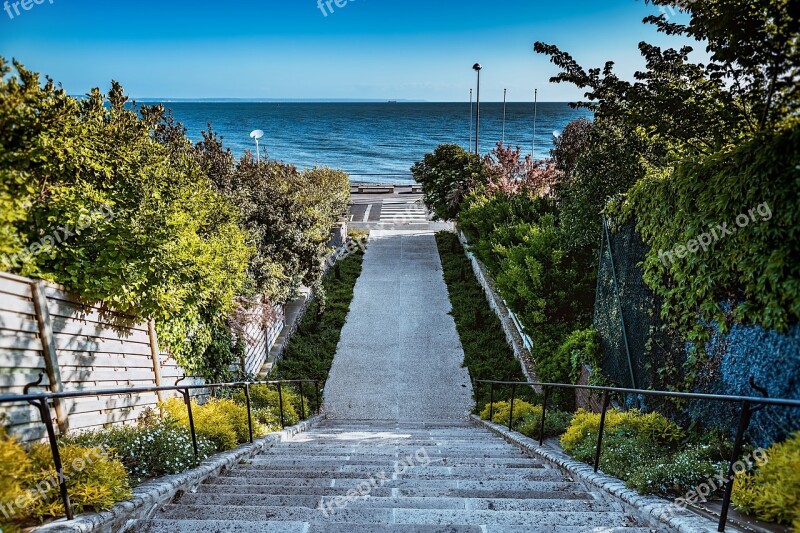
(392, 101)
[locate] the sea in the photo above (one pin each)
(373, 142)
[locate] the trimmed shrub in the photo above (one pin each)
(772, 491)
(648, 451)
(223, 422)
(555, 423)
(623, 454)
(96, 480)
(14, 468)
(265, 404)
(652, 426)
(502, 412)
(528, 418)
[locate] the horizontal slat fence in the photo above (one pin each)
(77, 346)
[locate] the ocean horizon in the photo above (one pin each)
(376, 142)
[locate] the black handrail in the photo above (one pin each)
(750, 405)
(40, 401)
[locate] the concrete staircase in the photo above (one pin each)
(372, 477)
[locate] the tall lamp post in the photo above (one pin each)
(535, 102)
(477, 68)
(257, 134)
(471, 118)
(503, 137)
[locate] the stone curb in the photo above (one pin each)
(513, 335)
(148, 497)
(656, 512)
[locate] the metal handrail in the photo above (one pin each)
(40, 401)
(749, 406)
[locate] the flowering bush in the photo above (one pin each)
(677, 474)
(155, 447)
(510, 173)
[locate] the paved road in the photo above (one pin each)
(391, 211)
(399, 357)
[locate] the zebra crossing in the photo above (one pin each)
(403, 211)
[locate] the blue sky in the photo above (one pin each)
(371, 49)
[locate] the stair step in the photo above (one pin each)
(398, 516)
(404, 528)
(467, 504)
(431, 484)
(368, 453)
(471, 481)
(217, 526)
(472, 504)
(481, 451)
(236, 526)
(428, 472)
(568, 492)
(281, 463)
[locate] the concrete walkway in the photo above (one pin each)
(399, 357)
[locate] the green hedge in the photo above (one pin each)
(487, 354)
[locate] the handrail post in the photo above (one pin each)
(319, 405)
(744, 422)
(476, 386)
(249, 411)
(606, 402)
(44, 413)
(491, 403)
(280, 403)
(544, 413)
(187, 399)
(511, 412)
(302, 403)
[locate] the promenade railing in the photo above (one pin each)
(749, 406)
(43, 400)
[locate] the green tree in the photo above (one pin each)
(447, 175)
(114, 214)
(748, 85)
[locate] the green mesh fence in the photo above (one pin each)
(636, 343)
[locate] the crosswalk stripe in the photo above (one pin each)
(402, 210)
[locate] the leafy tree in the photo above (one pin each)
(749, 84)
(509, 172)
(125, 219)
(612, 157)
(288, 213)
(447, 175)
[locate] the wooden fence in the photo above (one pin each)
(85, 346)
(78, 346)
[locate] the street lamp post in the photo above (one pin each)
(257, 134)
(477, 68)
(471, 118)
(503, 137)
(535, 102)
